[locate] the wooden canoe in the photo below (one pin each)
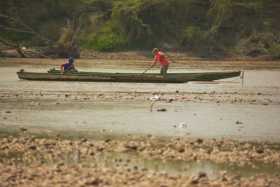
(55, 75)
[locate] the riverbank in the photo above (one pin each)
(121, 61)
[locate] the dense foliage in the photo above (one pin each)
(203, 27)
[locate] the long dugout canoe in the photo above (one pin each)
(55, 75)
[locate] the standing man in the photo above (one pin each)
(160, 57)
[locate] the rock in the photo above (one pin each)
(83, 140)
(23, 129)
(260, 150)
(33, 147)
(170, 100)
(199, 141)
(238, 122)
(131, 146)
(194, 180)
(202, 174)
(94, 182)
(8, 112)
(162, 110)
(181, 149)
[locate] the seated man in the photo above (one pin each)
(68, 66)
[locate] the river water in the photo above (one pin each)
(204, 119)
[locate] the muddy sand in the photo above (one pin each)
(221, 133)
(136, 161)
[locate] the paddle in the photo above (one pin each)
(153, 65)
(148, 69)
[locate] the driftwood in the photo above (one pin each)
(11, 45)
(20, 27)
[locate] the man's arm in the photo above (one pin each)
(62, 68)
(154, 62)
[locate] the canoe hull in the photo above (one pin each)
(126, 77)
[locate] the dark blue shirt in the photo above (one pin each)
(68, 66)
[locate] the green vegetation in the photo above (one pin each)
(209, 28)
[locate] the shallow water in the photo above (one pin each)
(202, 119)
(134, 162)
(254, 81)
(213, 170)
(249, 122)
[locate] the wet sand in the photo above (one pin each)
(225, 108)
(184, 119)
(221, 133)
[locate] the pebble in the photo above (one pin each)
(23, 129)
(199, 141)
(238, 122)
(260, 150)
(162, 110)
(170, 100)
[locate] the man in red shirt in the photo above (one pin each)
(160, 57)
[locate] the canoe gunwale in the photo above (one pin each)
(127, 77)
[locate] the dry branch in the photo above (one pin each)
(26, 28)
(13, 46)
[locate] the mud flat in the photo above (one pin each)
(221, 133)
(136, 161)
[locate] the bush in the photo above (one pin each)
(274, 51)
(109, 42)
(258, 44)
(192, 37)
(202, 43)
(105, 42)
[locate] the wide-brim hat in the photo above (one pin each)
(155, 50)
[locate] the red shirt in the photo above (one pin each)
(160, 57)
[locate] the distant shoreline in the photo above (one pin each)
(130, 61)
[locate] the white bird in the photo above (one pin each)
(155, 98)
(181, 125)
